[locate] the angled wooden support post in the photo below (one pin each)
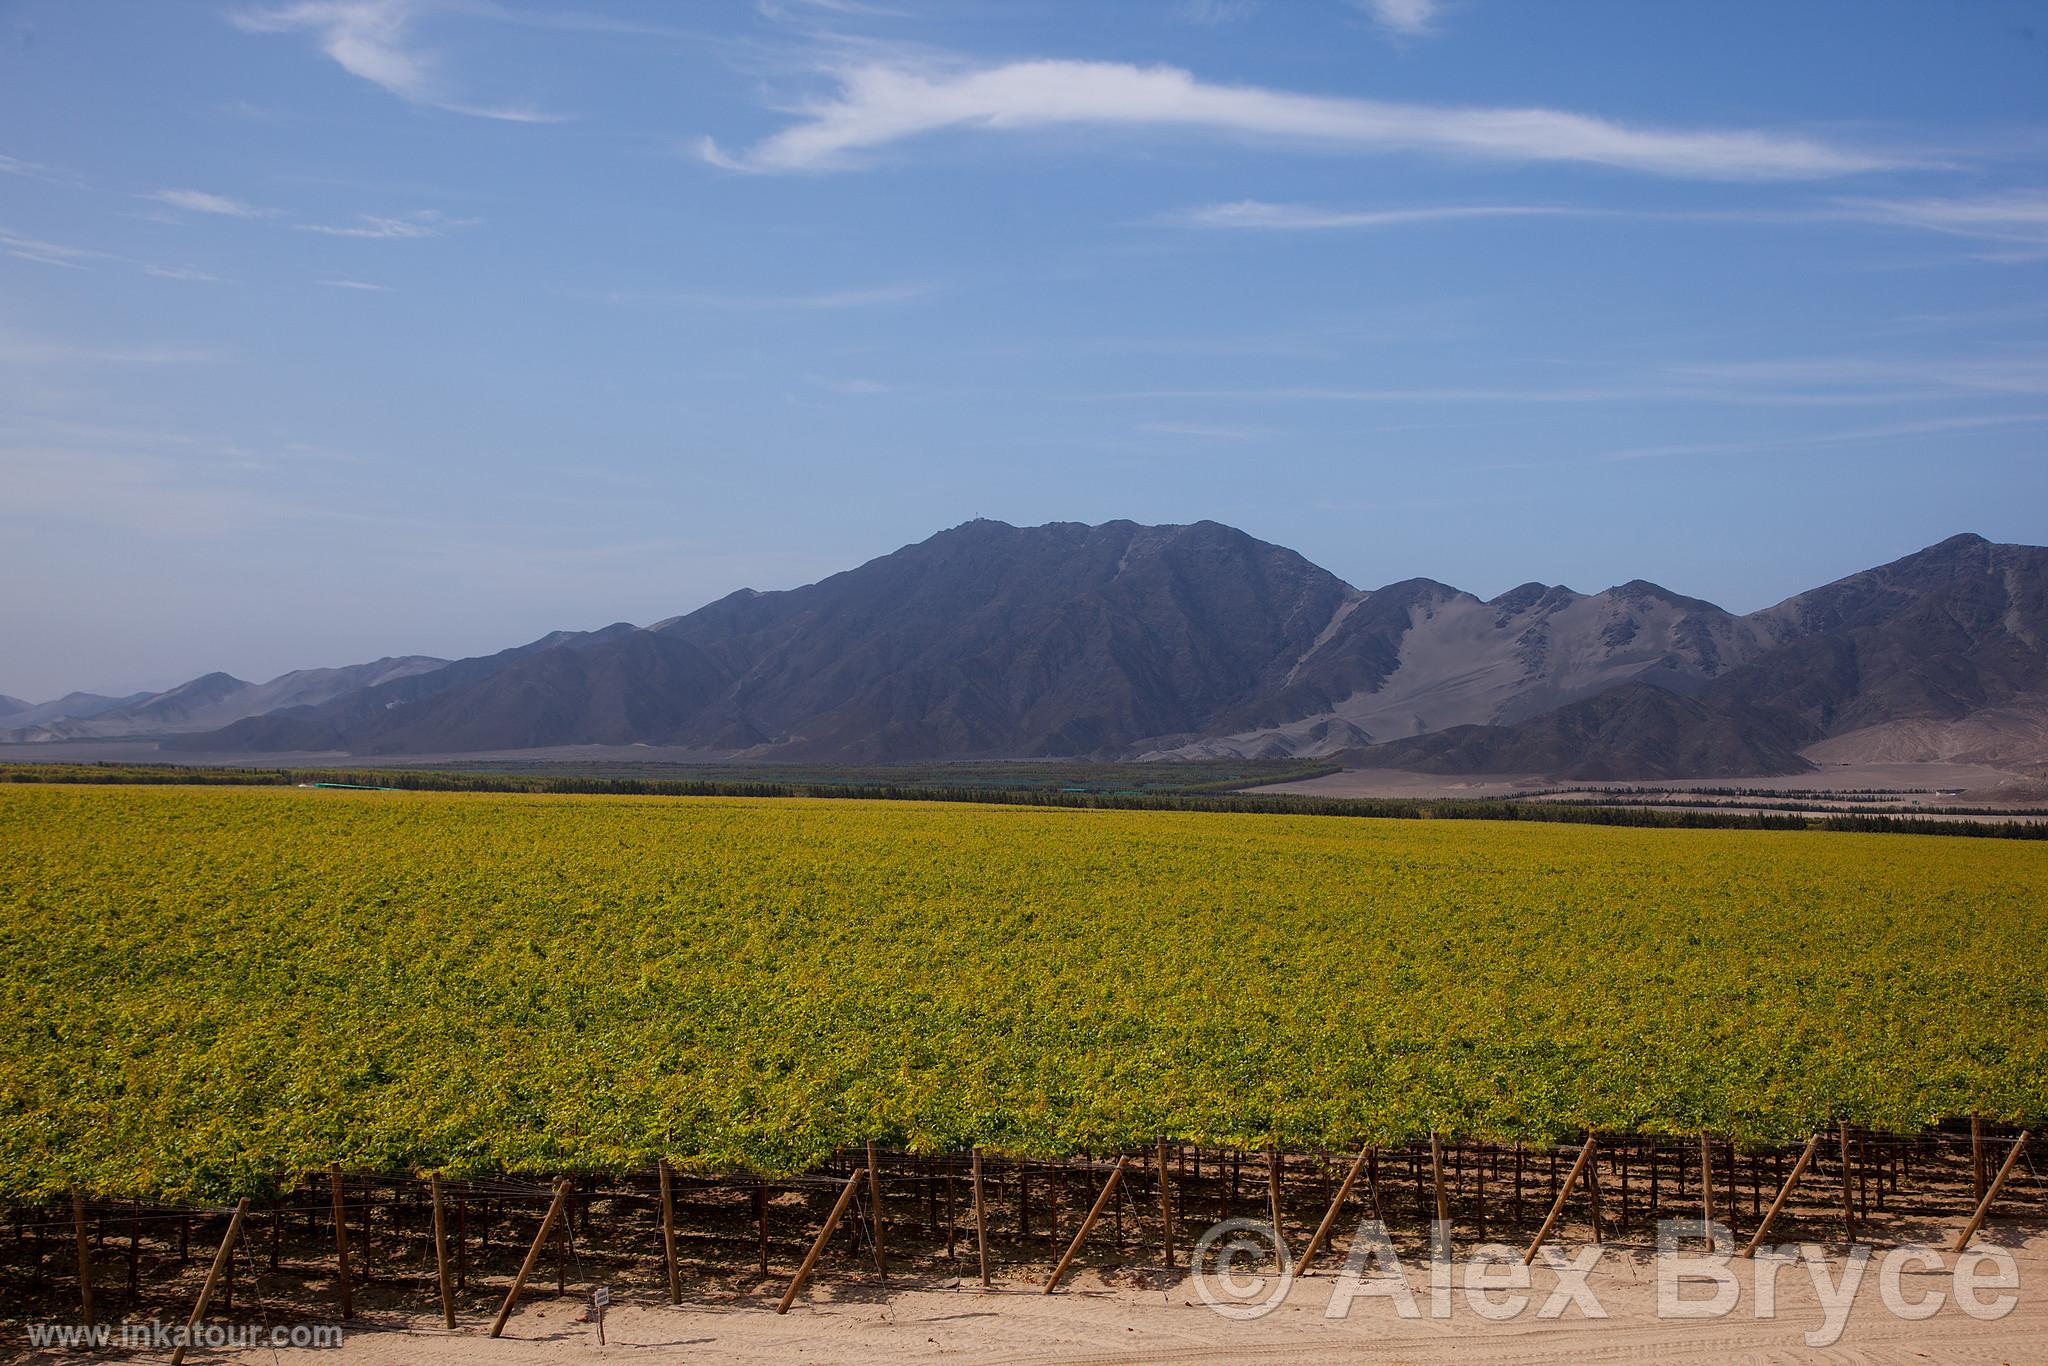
(441, 1255)
(220, 1261)
(1094, 1213)
(540, 1240)
(1322, 1234)
(668, 1234)
(1984, 1205)
(84, 1254)
(1784, 1193)
(1564, 1191)
(803, 1272)
(341, 1279)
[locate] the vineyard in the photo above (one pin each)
(211, 992)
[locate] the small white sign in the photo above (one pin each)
(600, 1297)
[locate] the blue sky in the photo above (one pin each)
(337, 329)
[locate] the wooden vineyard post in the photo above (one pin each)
(1557, 1206)
(1593, 1197)
(1165, 1209)
(1440, 1235)
(84, 1255)
(1479, 1169)
(341, 1281)
(1080, 1234)
(1322, 1233)
(565, 1248)
(1976, 1156)
(220, 1261)
(952, 1215)
(441, 1255)
(540, 1241)
(668, 1233)
(761, 1225)
(1707, 1189)
(803, 1271)
(875, 1212)
(1273, 1186)
(980, 1219)
(1984, 1205)
(1784, 1192)
(1848, 1185)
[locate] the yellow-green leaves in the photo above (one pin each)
(209, 990)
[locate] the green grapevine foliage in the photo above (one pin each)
(209, 991)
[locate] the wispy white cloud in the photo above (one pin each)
(878, 105)
(338, 282)
(1206, 431)
(17, 349)
(200, 201)
(421, 223)
(1930, 427)
(2017, 217)
(1416, 394)
(829, 300)
(204, 277)
(34, 170)
(1815, 382)
(845, 9)
(129, 491)
(373, 40)
(2017, 221)
(854, 387)
(1255, 214)
(849, 298)
(83, 258)
(1883, 378)
(49, 253)
(1211, 12)
(1409, 18)
(581, 21)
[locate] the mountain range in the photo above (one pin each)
(1131, 641)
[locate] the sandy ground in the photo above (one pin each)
(1395, 782)
(1977, 780)
(846, 1320)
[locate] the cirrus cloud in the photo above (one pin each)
(372, 39)
(879, 105)
(1409, 18)
(201, 201)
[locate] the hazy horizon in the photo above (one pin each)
(335, 329)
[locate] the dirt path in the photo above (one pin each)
(1096, 1322)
